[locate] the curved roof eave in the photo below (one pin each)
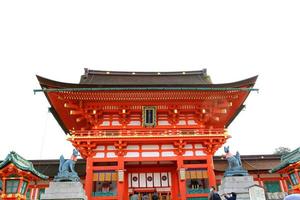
(22, 164)
(44, 82)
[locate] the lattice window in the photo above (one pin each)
(289, 185)
(293, 178)
(149, 116)
(24, 186)
(272, 186)
(28, 194)
(12, 186)
(41, 191)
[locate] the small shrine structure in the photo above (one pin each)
(290, 165)
(16, 174)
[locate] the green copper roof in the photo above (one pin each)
(21, 163)
(287, 159)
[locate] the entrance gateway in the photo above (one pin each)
(144, 132)
(147, 182)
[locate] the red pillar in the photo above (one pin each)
(182, 182)
(126, 195)
(121, 193)
(3, 185)
(210, 171)
(175, 184)
(20, 184)
(284, 185)
(297, 174)
(89, 177)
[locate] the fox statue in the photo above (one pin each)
(234, 164)
(234, 161)
(66, 170)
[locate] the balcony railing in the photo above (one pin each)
(148, 132)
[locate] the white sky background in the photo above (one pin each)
(234, 40)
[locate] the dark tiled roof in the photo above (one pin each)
(171, 81)
(50, 167)
(250, 162)
(261, 163)
(116, 78)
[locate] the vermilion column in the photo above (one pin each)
(126, 195)
(210, 171)
(297, 174)
(121, 193)
(182, 182)
(89, 177)
(284, 185)
(175, 184)
(20, 184)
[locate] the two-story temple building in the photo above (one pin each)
(146, 131)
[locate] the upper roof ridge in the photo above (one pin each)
(149, 73)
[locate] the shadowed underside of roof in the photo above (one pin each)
(102, 82)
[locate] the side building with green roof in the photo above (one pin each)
(16, 173)
(290, 165)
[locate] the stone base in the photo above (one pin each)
(237, 184)
(64, 190)
(239, 171)
(66, 176)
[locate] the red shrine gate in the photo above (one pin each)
(144, 132)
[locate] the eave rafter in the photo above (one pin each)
(88, 145)
(209, 107)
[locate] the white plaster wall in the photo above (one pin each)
(111, 155)
(134, 123)
(132, 155)
(150, 154)
(163, 122)
(105, 123)
(100, 147)
(111, 148)
(181, 122)
(99, 155)
(200, 153)
(192, 122)
(188, 146)
(132, 147)
(167, 146)
(167, 154)
(188, 153)
(150, 147)
(115, 123)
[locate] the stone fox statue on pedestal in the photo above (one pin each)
(66, 170)
(233, 160)
(234, 164)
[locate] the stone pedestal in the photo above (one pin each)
(64, 190)
(237, 184)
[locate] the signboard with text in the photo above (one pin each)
(257, 192)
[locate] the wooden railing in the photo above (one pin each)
(146, 132)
